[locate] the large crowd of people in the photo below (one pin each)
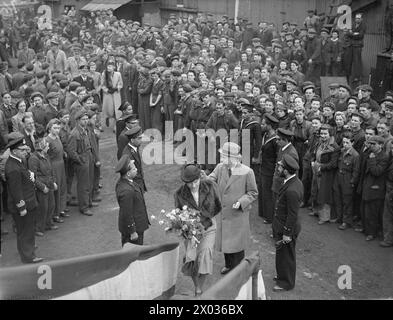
(95, 71)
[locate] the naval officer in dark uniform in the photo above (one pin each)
(22, 201)
(133, 219)
(286, 226)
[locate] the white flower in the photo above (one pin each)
(153, 217)
(160, 222)
(194, 232)
(177, 211)
(184, 207)
(163, 211)
(167, 229)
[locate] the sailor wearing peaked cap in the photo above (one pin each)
(135, 136)
(133, 220)
(22, 201)
(286, 226)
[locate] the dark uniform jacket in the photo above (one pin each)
(134, 155)
(269, 151)
(255, 137)
(88, 83)
(132, 208)
(43, 171)
(375, 177)
(21, 192)
(285, 221)
(209, 201)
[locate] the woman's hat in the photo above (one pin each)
(190, 173)
(230, 149)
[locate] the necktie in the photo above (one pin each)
(229, 172)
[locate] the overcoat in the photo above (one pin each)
(112, 101)
(233, 225)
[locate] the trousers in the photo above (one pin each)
(233, 259)
(25, 234)
(387, 221)
(373, 210)
(46, 210)
(286, 265)
(265, 196)
(84, 177)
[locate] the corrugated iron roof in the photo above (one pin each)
(97, 5)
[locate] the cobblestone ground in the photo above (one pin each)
(321, 250)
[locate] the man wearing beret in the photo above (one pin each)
(22, 201)
(134, 136)
(81, 155)
(286, 226)
(133, 219)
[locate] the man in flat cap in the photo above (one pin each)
(314, 56)
(133, 218)
(364, 96)
(134, 136)
(71, 95)
(373, 187)
(22, 201)
(52, 108)
(56, 57)
(81, 154)
(286, 226)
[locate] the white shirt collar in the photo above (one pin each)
(133, 147)
(286, 180)
(286, 146)
(12, 156)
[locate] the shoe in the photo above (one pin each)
(87, 212)
(313, 214)
(36, 260)
(64, 215)
(385, 244)
(271, 236)
(93, 205)
(54, 227)
(73, 204)
(359, 229)
(39, 234)
(277, 288)
(100, 186)
(225, 270)
(267, 222)
(198, 293)
(58, 220)
(275, 279)
(320, 222)
(107, 122)
(370, 238)
(343, 226)
(97, 199)
(333, 220)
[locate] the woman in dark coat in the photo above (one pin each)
(201, 195)
(145, 85)
(324, 169)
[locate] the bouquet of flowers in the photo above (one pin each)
(184, 223)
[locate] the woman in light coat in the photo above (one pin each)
(237, 190)
(112, 83)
